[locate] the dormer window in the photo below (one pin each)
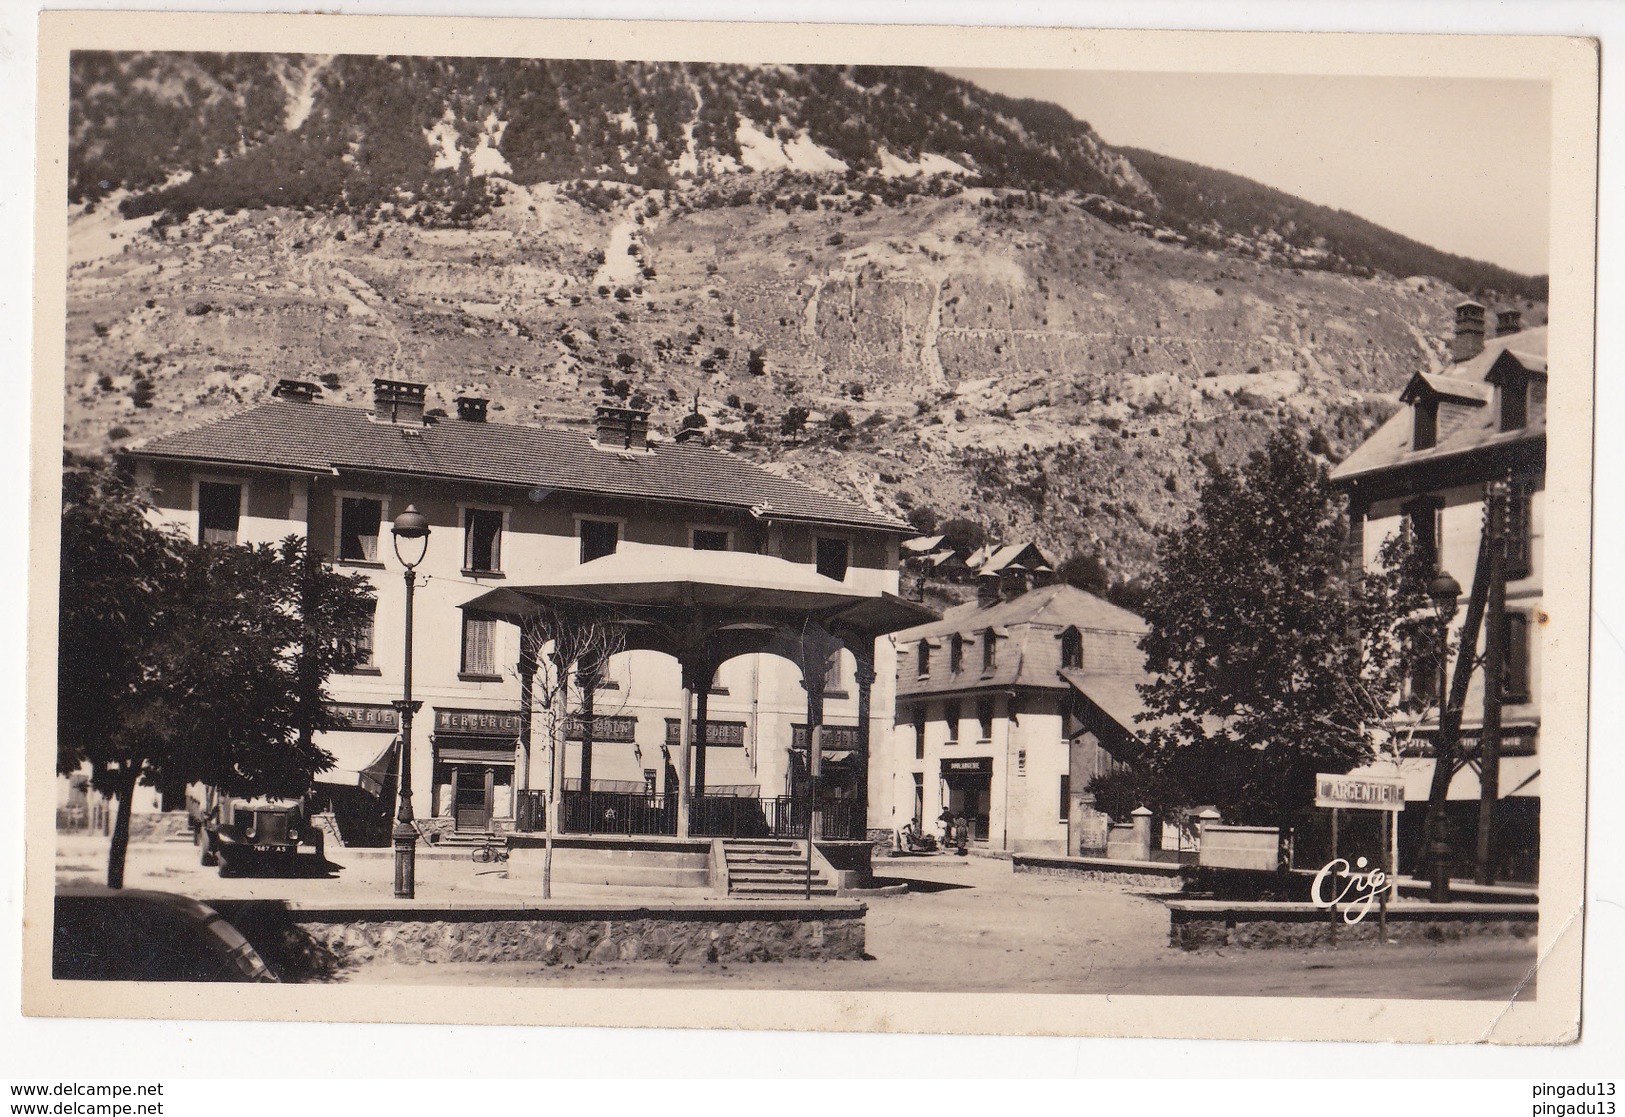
(1071, 649)
(1514, 402)
(924, 657)
(1426, 435)
(956, 653)
(990, 650)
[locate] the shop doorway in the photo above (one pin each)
(968, 793)
(472, 793)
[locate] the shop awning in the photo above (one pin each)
(359, 759)
(1519, 777)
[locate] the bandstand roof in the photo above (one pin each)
(725, 585)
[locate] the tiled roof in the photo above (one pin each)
(1028, 648)
(291, 434)
(1467, 428)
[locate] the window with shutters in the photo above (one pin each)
(1423, 523)
(950, 714)
(1515, 665)
(923, 656)
(361, 519)
(479, 645)
(990, 650)
(363, 646)
(1520, 529)
(956, 653)
(219, 511)
(482, 540)
(599, 538)
(984, 717)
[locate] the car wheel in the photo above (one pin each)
(210, 856)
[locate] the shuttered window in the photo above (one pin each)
(219, 512)
(482, 540)
(1066, 797)
(923, 654)
(359, 520)
(1071, 648)
(984, 717)
(990, 650)
(479, 644)
(1515, 666)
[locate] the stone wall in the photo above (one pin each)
(1196, 926)
(1134, 874)
(307, 942)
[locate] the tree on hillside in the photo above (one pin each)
(190, 663)
(1273, 658)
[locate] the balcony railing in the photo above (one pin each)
(710, 816)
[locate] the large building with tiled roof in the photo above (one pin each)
(511, 505)
(1425, 472)
(1007, 707)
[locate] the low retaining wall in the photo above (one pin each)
(1139, 874)
(617, 862)
(1196, 924)
(319, 940)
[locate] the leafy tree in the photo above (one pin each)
(840, 421)
(963, 535)
(923, 519)
(1273, 659)
(189, 663)
(1086, 572)
(794, 421)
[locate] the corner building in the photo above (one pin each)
(510, 505)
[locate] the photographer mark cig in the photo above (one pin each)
(1603, 1106)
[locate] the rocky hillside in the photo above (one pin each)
(937, 341)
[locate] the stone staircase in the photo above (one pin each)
(770, 867)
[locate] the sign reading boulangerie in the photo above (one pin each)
(1360, 793)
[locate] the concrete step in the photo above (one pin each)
(764, 859)
(770, 875)
(790, 891)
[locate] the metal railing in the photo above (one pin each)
(711, 816)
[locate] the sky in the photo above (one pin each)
(1459, 164)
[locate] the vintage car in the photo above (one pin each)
(242, 835)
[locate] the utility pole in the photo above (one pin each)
(1489, 742)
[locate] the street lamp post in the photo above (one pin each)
(412, 527)
(1445, 592)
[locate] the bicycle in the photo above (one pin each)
(489, 851)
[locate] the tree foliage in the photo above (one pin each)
(1273, 658)
(189, 663)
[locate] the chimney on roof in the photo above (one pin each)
(1508, 322)
(302, 390)
(1469, 339)
(987, 590)
(471, 409)
(622, 428)
(398, 401)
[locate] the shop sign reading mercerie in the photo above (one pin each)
(1360, 793)
(362, 715)
(477, 723)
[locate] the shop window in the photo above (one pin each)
(706, 539)
(919, 733)
(1515, 664)
(984, 717)
(1066, 797)
(956, 653)
(599, 538)
(479, 645)
(990, 650)
(1071, 649)
(360, 518)
(1520, 529)
(833, 557)
(482, 540)
(219, 512)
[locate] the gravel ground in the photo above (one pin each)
(966, 925)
